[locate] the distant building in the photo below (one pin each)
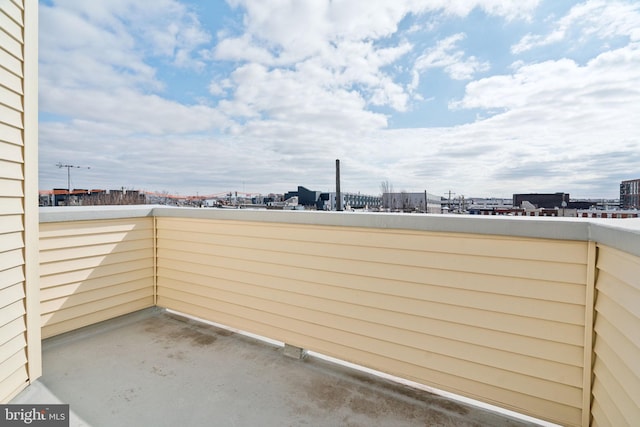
(630, 194)
(327, 201)
(411, 202)
(305, 196)
(542, 200)
(84, 197)
(488, 206)
(349, 201)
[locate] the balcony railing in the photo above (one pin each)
(539, 316)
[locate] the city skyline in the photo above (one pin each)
(482, 98)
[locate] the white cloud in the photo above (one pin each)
(561, 85)
(219, 86)
(93, 64)
(339, 46)
(292, 86)
(602, 19)
(242, 48)
(450, 58)
(166, 27)
(560, 123)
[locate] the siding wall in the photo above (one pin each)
(18, 179)
(500, 319)
(94, 270)
(616, 386)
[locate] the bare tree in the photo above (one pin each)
(387, 193)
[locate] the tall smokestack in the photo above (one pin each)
(338, 194)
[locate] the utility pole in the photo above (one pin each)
(338, 192)
(450, 193)
(60, 165)
(426, 202)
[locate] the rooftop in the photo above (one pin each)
(155, 367)
(532, 315)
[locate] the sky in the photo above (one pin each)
(483, 98)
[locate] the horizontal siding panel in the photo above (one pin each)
(98, 305)
(10, 44)
(315, 327)
(89, 297)
(83, 240)
(103, 261)
(617, 339)
(395, 275)
(13, 374)
(93, 273)
(338, 260)
(608, 336)
(13, 10)
(13, 66)
(94, 270)
(12, 346)
(551, 291)
(8, 79)
(13, 363)
(623, 266)
(11, 241)
(10, 137)
(339, 316)
(13, 329)
(10, 259)
(10, 26)
(13, 352)
(10, 188)
(10, 170)
(11, 312)
(11, 294)
(61, 254)
(75, 228)
(406, 313)
(477, 263)
(621, 319)
(11, 117)
(546, 330)
(626, 295)
(599, 416)
(88, 285)
(422, 241)
(521, 287)
(10, 100)
(9, 151)
(522, 403)
(12, 276)
(11, 385)
(91, 317)
(624, 374)
(612, 415)
(11, 223)
(11, 206)
(628, 408)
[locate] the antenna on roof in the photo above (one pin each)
(60, 165)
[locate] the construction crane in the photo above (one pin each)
(60, 165)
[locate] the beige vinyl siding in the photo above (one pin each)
(499, 319)
(616, 387)
(15, 371)
(94, 270)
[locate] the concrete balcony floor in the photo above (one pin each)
(156, 368)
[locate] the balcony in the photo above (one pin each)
(537, 316)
